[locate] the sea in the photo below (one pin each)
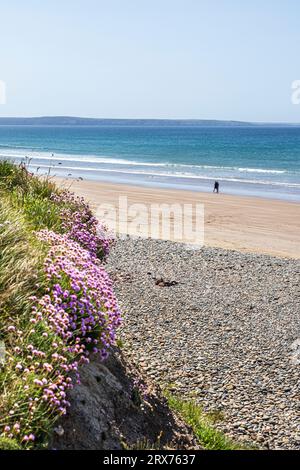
(260, 161)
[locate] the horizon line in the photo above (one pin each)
(57, 116)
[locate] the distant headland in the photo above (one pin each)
(80, 121)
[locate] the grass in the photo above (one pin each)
(202, 425)
(145, 444)
(8, 444)
(31, 194)
(20, 262)
(25, 206)
(21, 257)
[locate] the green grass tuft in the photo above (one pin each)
(20, 263)
(8, 444)
(202, 425)
(31, 194)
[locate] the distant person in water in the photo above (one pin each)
(216, 187)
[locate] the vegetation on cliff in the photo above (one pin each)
(57, 304)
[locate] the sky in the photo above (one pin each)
(178, 59)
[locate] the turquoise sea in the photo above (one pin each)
(258, 161)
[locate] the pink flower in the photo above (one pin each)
(16, 428)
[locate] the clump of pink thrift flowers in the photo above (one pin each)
(79, 223)
(80, 307)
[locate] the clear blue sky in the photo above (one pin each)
(213, 59)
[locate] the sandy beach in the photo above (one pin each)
(246, 224)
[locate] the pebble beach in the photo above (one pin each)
(219, 326)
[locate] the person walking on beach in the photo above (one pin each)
(216, 187)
